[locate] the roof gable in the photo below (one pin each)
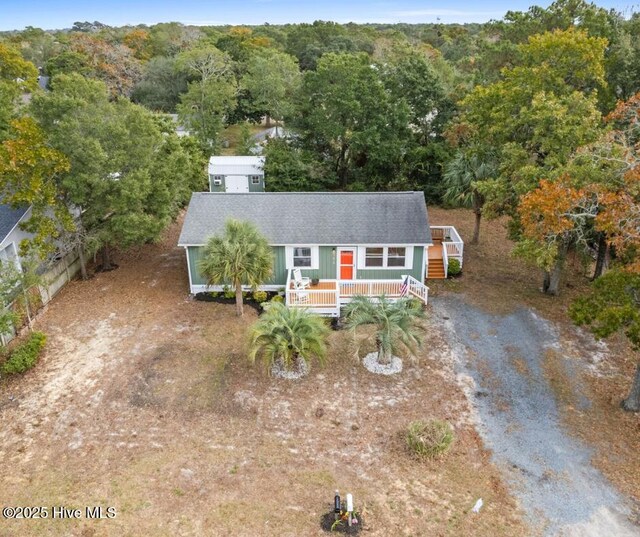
(328, 218)
(9, 218)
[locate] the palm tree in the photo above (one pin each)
(460, 182)
(396, 322)
(240, 256)
(292, 335)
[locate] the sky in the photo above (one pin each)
(58, 14)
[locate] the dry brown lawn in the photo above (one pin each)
(145, 401)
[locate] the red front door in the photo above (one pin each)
(346, 264)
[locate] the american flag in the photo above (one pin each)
(404, 288)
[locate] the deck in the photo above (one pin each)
(332, 292)
(327, 296)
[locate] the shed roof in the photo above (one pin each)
(328, 218)
(9, 218)
(234, 165)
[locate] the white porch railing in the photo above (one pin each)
(452, 243)
(445, 259)
(417, 288)
(370, 287)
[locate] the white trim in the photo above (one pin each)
(195, 289)
(315, 256)
(353, 249)
(186, 251)
(425, 260)
(408, 258)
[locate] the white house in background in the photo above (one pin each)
(11, 234)
(236, 174)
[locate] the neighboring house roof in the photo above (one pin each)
(9, 218)
(328, 218)
(233, 165)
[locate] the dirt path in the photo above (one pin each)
(518, 368)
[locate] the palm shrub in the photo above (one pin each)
(396, 322)
(240, 256)
(290, 335)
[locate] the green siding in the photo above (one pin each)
(326, 265)
(326, 270)
(279, 271)
(257, 188)
(386, 274)
(221, 188)
(195, 254)
(279, 276)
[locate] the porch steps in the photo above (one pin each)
(436, 269)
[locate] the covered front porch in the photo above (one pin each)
(325, 297)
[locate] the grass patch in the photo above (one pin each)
(430, 439)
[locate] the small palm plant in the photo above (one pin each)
(291, 336)
(240, 256)
(396, 322)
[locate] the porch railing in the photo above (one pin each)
(452, 243)
(417, 288)
(310, 297)
(370, 287)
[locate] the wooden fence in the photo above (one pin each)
(54, 279)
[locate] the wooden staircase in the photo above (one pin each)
(436, 269)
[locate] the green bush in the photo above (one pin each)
(454, 267)
(429, 439)
(227, 292)
(278, 298)
(25, 355)
(260, 296)
(214, 294)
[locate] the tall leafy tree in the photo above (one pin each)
(350, 118)
(16, 77)
(272, 80)
(240, 256)
(124, 181)
(161, 85)
(536, 117)
(210, 97)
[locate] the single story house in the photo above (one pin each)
(346, 243)
(236, 174)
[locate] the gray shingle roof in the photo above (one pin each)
(9, 217)
(329, 218)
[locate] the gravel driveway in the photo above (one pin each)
(549, 470)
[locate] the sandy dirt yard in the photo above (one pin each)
(144, 401)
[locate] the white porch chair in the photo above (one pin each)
(300, 282)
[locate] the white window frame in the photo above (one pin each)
(217, 179)
(408, 258)
(315, 256)
(255, 179)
